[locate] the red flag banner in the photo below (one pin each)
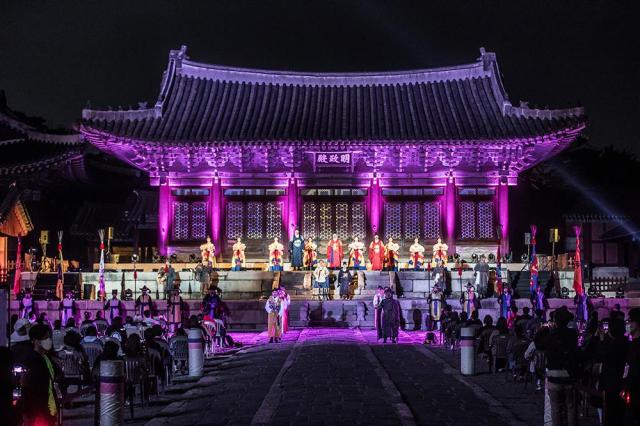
(577, 271)
(16, 278)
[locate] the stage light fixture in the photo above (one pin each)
(134, 258)
(564, 293)
(474, 257)
(492, 257)
(524, 258)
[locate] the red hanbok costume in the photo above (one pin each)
(376, 255)
(334, 253)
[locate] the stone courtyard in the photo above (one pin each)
(335, 376)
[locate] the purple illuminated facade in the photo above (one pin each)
(254, 153)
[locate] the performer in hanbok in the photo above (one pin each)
(276, 249)
(174, 309)
(26, 304)
(166, 279)
(344, 281)
(416, 255)
(321, 280)
(469, 300)
(391, 255)
(296, 251)
(237, 262)
(389, 316)
(113, 306)
(436, 303)
(274, 308)
(440, 252)
(356, 255)
(310, 254)
(376, 254)
(210, 303)
(481, 273)
(506, 302)
(377, 299)
(286, 302)
(208, 253)
(144, 302)
(539, 301)
(334, 252)
(67, 307)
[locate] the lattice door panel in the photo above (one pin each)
(358, 222)
(467, 220)
(181, 221)
(393, 221)
(486, 228)
(255, 214)
(274, 220)
(326, 230)
(411, 220)
(431, 220)
(235, 220)
(199, 220)
(309, 220)
(320, 220)
(342, 221)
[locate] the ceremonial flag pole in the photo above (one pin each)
(429, 276)
(533, 262)
(59, 269)
(577, 265)
(16, 277)
(101, 270)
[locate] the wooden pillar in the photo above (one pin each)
(450, 215)
(164, 218)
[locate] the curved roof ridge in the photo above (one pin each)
(250, 75)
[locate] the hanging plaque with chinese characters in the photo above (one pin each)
(332, 159)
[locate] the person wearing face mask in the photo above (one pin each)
(39, 401)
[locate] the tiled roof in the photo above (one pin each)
(202, 103)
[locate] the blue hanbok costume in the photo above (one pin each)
(296, 251)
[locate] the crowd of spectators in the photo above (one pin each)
(593, 364)
(47, 365)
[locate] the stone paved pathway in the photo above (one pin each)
(335, 376)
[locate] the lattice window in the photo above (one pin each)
(254, 221)
(431, 219)
(274, 220)
(358, 221)
(393, 220)
(181, 221)
(309, 222)
(411, 220)
(342, 221)
(485, 220)
(467, 220)
(199, 220)
(325, 221)
(235, 219)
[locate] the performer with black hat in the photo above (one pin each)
(144, 302)
(469, 300)
(174, 308)
(436, 303)
(113, 305)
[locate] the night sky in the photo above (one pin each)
(57, 55)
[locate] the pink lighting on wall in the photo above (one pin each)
(290, 216)
(216, 209)
(164, 218)
(450, 214)
(375, 204)
(503, 216)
